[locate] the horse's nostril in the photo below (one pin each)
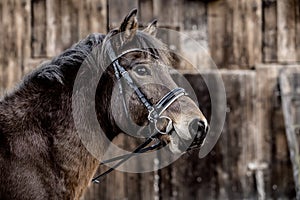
(201, 125)
(198, 127)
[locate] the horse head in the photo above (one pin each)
(139, 64)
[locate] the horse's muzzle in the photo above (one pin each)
(198, 130)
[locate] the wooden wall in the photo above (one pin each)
(32, 31)
(250, 40)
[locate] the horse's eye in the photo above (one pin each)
(142, 70)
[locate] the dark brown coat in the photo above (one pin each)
(41, 156)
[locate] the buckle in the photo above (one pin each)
(168, 128)
(153, 115)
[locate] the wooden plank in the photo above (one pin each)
(270, 131)
(99, 18)
(26, 32)
(246, 17)
(229, 58)
(69, 23)
(264, 106)
(53, 13)
(217, 33)
(171, 16)
(116, 186)
(269, 31)
(145, 11)
(1, 49)
(13, 48)
(237, 143)
(11, 45)
(297, 9)
(233, 34)
(132, 180)
(165, 183)
(286, 31)
(280, 175)
(195, 27)
(74, 22)
(146, 185)
(61, 28)
(118, 9)
(1, 13)
(194, 15)
(223, 173)
(190, 178)
(39, 27)
(239, 28)
(254, 32)
(92, 17)
(290, 95)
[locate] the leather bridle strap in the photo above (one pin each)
(155, 112)
(124, 158)
(166, 101)
(144, 150)
(120, 71)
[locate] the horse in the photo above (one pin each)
(41, 153)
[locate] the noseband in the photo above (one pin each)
(154, 111)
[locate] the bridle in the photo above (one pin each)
(154, 111)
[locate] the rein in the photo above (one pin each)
(154, 111)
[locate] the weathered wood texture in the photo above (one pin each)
(290, 96)
(234, 29)
(271, 136)
(32, 31)
(269, 31)
(237, 33)
(224, 173)
(243, 33)
(14, 40)
(281, 32)
(58, 24)
(286, 26)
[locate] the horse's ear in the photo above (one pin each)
(152, 28)
(129, 26)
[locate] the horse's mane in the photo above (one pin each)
(62, 68)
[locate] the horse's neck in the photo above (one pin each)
(75, 163)
(46, 135)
